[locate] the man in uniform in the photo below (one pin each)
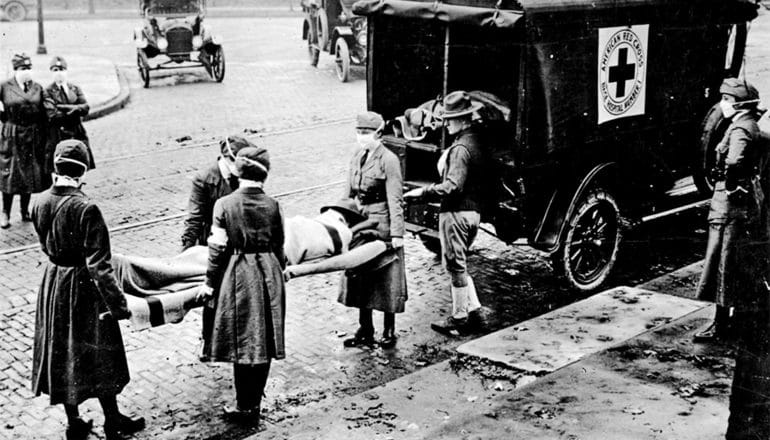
(733, 267)
(461, 192)
(208, 186)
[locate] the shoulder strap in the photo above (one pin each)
(335, 236)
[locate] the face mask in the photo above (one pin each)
(728, 109)
(23, 76)
(60, 76)
(365, 140)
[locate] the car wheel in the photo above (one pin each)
(342, 59)
(431, 243)
(218, 64)
(322, 28)
(144, 71)
(15, 11)
(592, 243)
(712, 130)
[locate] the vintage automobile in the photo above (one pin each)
(331, 26)
(175, 36)
(613, 110)
(14, 10)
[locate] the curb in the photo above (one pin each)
(113, 104)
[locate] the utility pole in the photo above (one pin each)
(41, 50)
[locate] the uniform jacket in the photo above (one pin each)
(22, 139)
(379, 181)
(208, 186)
(461, 187)
(378, 185)
(60, 124)
(76, 355)
(247, 277)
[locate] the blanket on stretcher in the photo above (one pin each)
(160, 290)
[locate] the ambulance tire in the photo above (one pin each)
(712, 130)
(588, 254)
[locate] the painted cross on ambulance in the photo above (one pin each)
(622, 71)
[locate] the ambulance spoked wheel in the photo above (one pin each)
(713, 129)
(590, 249)
(431, 243)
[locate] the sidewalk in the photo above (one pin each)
(104, 87)
(617, 365)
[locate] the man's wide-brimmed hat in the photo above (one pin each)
(457, 104)
(740, 89)
(252, 163)
(71, 151)
(58, 61)
(348, 208)
(21, 60)
(370, 120)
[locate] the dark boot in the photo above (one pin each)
(365, 334)
(78, 429)
(389, 338)
(24, 199)
(451, 326)
(718, 329)
(116, 427)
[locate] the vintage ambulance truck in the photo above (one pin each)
(609, 114)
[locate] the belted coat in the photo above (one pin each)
(63, 123)
(22, 139)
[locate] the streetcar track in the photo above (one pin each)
(142, 223)
(258, 135)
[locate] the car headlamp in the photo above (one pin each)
(141, 43)
(162, 43)
(361, 38)
(197, 41)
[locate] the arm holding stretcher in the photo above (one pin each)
(354, 258)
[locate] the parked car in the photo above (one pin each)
(15, 10)
(606, 112)
(174, 35)
(331, 26)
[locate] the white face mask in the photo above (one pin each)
(60, 77)
(366, 140)
(728, 109)
(23, 76)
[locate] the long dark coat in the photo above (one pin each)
(62, 125)
(247, 276)
(737, 256)
(76, 355)
(378, 185)
(22, 139)
(208, 186)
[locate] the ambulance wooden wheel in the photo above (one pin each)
(15, 11)
(712, 130)
(590, 249)
(144, 70)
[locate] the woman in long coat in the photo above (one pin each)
(78, 349)
(65, 106)
(736, 263)
(22, 140)
(375, 181)
(245, 278)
